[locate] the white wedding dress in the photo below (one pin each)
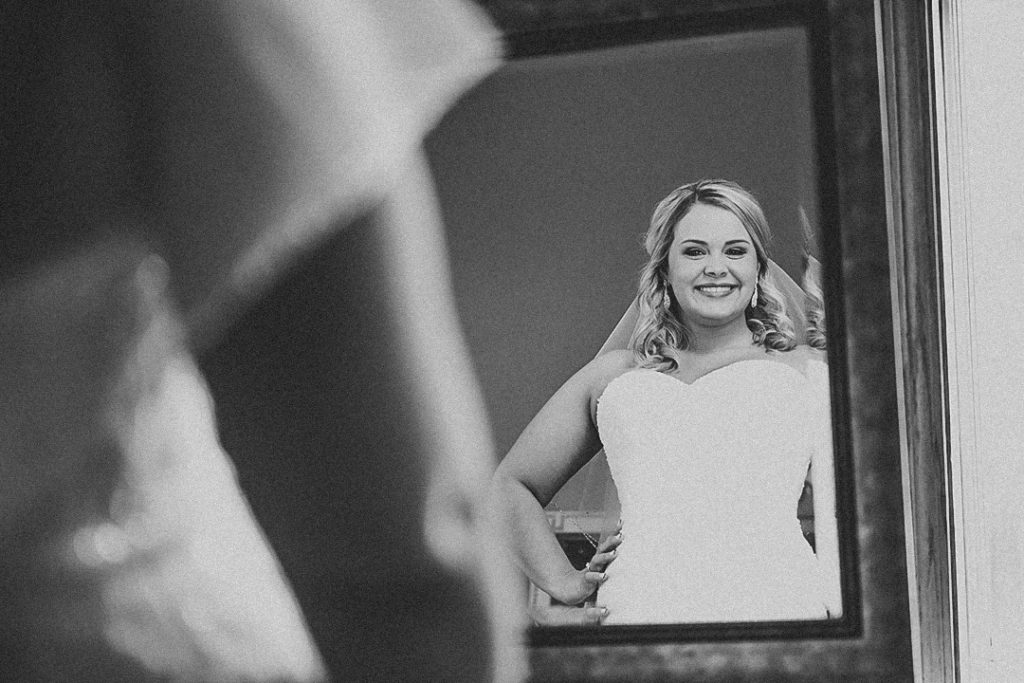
(708, 476)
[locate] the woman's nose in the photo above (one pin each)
(714, 267)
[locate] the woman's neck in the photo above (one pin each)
(706, 340)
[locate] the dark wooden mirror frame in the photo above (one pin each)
(870, 272)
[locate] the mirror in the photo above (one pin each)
(872, 639)
(548, 174)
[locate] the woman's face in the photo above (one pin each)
(712, 266)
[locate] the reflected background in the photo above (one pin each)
(548, 173)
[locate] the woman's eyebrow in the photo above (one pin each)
(704, 244)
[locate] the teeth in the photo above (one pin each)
(718, 289)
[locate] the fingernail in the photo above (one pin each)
(613, 553)
(604, 611)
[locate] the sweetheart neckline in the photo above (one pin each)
(699, 380)
(719, 369)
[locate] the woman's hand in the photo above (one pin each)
(606, 552)
(581, 584)
(563, 615)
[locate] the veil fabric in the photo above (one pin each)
(167, 162)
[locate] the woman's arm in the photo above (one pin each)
(556, 443)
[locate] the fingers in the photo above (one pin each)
(600, 561)
(595, 577)
(606, 551)
(613, 541)
(570, 616)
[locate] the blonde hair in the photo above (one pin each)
(815, 333)
(661, 332)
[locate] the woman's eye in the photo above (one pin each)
(693, 251)
(736, 252)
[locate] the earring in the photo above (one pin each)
(753, 299)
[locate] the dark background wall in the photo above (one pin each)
(548, 173)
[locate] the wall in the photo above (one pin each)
(981, 90)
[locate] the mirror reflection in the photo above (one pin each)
(634, 240)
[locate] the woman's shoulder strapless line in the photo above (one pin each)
(716, 374)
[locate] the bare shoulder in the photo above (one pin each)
(617, 359)
(610, 365)
(598, 373)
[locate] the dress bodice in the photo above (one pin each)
(708, 476)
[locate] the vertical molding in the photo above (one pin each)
(907, 87)
(980, 165)
(959, 334)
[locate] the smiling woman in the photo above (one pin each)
(545, 243)
(712, 421)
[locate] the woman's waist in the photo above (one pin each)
(712, 520)
(729, 562)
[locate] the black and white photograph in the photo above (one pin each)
(511, 340)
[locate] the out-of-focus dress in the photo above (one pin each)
(165, 163)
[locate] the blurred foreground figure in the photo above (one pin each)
(240, 180)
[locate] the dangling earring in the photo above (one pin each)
(753, 299)
(666, 299)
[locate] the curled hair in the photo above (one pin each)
(815, 332)
(661, 332)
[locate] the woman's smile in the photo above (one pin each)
(716, 291)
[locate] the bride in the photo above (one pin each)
(712, 421)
